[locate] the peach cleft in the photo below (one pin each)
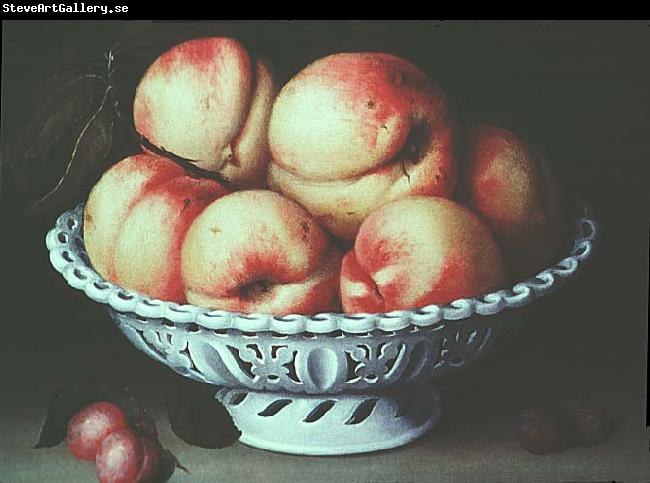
(208, 101)
(135, 221)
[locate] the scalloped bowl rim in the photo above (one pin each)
(71, 262)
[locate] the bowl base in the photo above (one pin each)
(333, 424)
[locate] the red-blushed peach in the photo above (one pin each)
(353, 131)
(135, 221)
(512, 188)
(257, 251)
(206, 100)
(419, 251)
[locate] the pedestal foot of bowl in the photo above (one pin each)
(333, 424)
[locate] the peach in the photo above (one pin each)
(88, 427)
(512, 188)
(418, 251)
(353, 131)
(207, 101)
(135, 221)
(257, 251)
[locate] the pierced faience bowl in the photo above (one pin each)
(323, 384)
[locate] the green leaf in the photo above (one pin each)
(198, 418)
(87, 156)
(59, 103)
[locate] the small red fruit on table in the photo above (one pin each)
(125, 457)
(90, 426)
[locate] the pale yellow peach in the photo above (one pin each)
(257, 251)
(207, 101)
(418, 251)
(353, 131)
(135, 221)
(513, 189)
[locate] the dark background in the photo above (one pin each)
(579, 90)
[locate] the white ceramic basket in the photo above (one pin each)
(323, 384)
